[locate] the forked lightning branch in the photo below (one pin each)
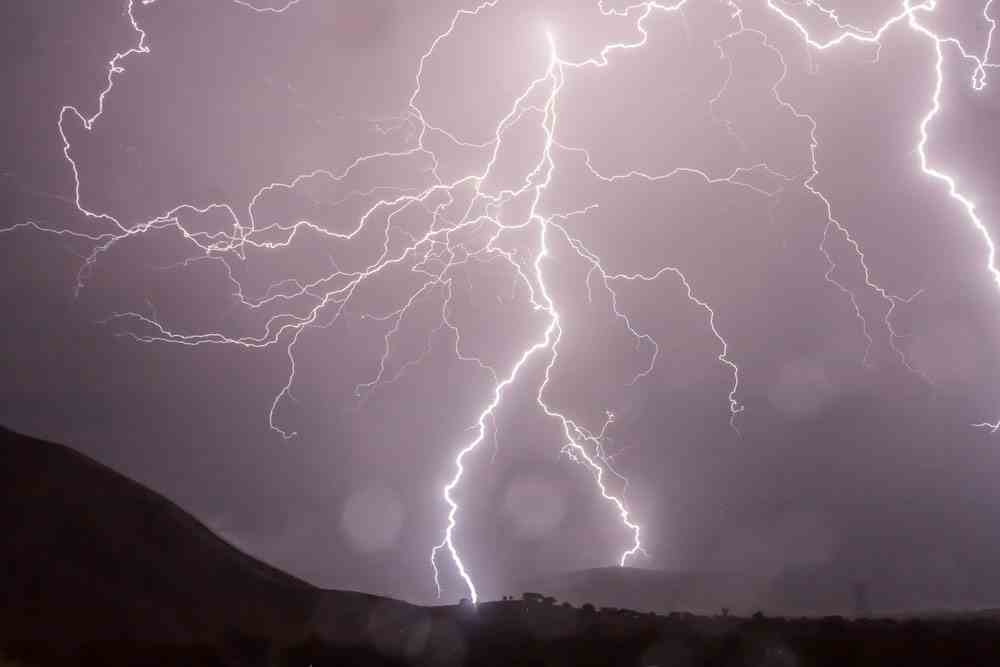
(436, 254)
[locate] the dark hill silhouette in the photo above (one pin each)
(100, 556)
(812, 591)
(89, 554)
(659, 591)
(818, 590)
(98, 570)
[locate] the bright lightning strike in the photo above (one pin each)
(910, 14)
(437, 253)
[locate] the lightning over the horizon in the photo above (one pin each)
(466, 222)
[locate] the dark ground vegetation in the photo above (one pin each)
(519, 633)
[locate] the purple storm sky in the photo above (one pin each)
(276, 230)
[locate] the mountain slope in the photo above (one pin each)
(88, 553)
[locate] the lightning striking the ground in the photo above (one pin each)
(468, 227)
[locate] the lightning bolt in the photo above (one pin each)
(450, 242)
(910, 16)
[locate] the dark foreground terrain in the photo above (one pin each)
(506, 634)
(98, 570)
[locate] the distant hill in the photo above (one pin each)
(89, 554)
(656, 590)
(698, 592)
(804, 591)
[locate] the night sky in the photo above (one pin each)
(854, 454)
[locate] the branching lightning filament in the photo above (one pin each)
(438, 253)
